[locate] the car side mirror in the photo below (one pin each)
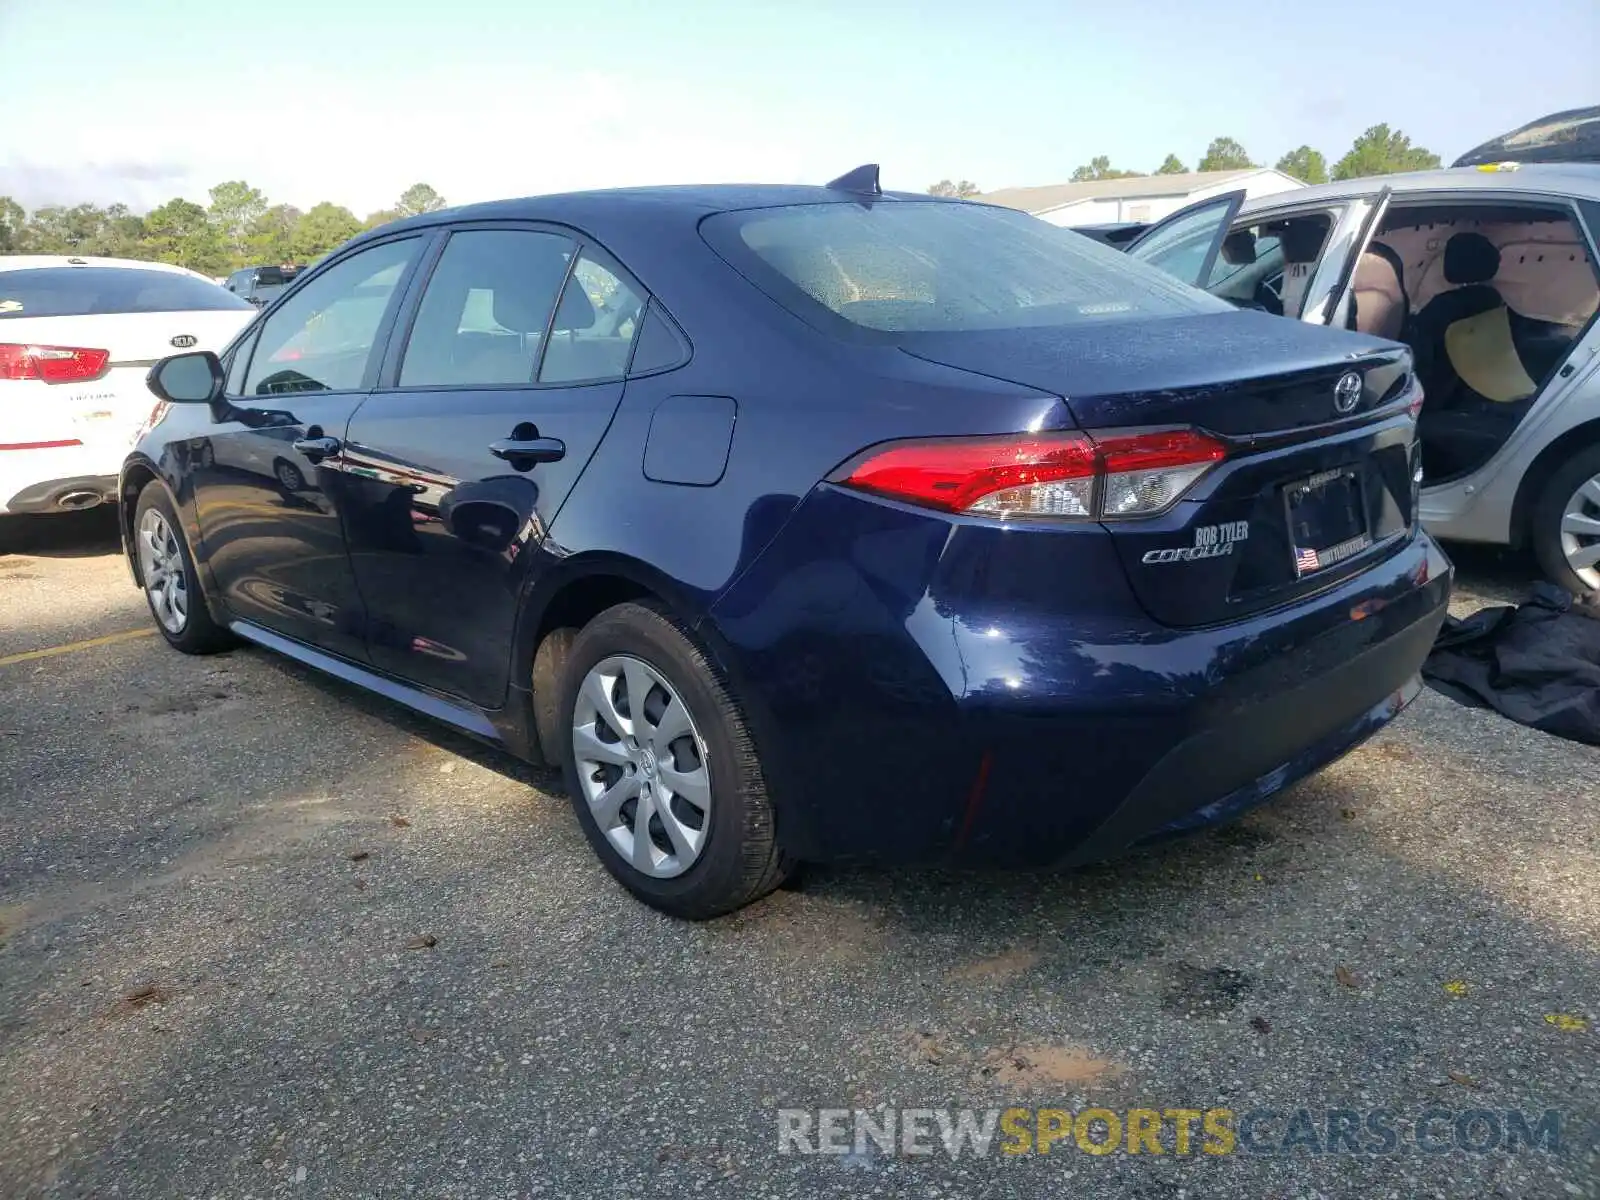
(193, 378)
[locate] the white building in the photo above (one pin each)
(1136, 198)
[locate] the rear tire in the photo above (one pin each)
(708, 847)
(1557, 523)
(171, 583)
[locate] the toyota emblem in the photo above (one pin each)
(1347, 392)
(184, 340)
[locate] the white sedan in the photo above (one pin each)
(77, 337)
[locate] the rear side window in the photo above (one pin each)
(897, 267)
(98, 291)
(594, 328)
(483, 317)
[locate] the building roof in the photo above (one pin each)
(1059, 195)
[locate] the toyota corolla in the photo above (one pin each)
(806, 523)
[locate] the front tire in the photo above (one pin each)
(171, 583)
(661, 768)
(1565, 528)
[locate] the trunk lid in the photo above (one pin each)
(1314, 487)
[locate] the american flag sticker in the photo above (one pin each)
(1305, 560)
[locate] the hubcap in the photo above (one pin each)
(642, 766)
(1580, 532)
(161, 564)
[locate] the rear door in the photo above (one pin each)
(457, 464)
(1327, 295)
(267, 478)
(1185, 245)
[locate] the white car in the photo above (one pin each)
(77, 337)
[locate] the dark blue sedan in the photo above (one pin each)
(806, 523)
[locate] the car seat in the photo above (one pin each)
(1470, 263)
(1379, 304)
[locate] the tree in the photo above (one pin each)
(1381, 152)
(181, 232)
(13, 220)
(234, 206)
(1305, 164)
(270, 238)
(122, 234)
(963, 190)
(1171, 166)
(416, 199)
(1100, 168)
(57, 230)
(1225, 154)
(382, 217)
(327, 225)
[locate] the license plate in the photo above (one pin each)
(1327, 520)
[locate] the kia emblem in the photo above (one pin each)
(184, 340)
(1347, 392)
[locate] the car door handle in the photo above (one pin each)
(317, 448)
(529, 450)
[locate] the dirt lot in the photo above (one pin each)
(261, 935)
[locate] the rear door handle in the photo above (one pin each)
(317, 448)
(529, 451)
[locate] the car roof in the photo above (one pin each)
(1580, 180)
(614, 205)
(31, 262)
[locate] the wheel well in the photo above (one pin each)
(582, 600)
(1573, 441)
(569, 610)
(134, 480)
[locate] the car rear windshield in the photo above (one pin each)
(95, 291)
(896, 267)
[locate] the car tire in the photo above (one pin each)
(176, 600)
(732, 857)
(289, 476)
(1573, 491)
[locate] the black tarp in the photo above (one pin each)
(1537, 663)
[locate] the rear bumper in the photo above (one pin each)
(1028, 712)
(55, 495)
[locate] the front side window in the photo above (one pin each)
(483, 317)
(903, 268)
(593, 332)
(322, 338)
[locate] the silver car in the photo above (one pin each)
(1488, 274)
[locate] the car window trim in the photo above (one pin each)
(383, 335)
(388, 380)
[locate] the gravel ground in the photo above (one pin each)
(261, 936)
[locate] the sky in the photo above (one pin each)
(136, 101)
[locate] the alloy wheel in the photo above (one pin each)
(161, 565)
(642, 765)
(1580, 532)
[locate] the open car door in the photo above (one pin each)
(1327, 292)
(1185, 244)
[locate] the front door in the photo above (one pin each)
(458, 464)
(267, 485)
(1185, 244)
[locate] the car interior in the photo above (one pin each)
(1489, 298)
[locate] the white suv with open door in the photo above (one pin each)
(77, 337)
(1489, 274)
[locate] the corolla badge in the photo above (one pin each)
(1347, 392)
(184, 340)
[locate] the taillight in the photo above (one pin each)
(52, 364)
(1071, 475)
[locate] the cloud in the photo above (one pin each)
(139, 185)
